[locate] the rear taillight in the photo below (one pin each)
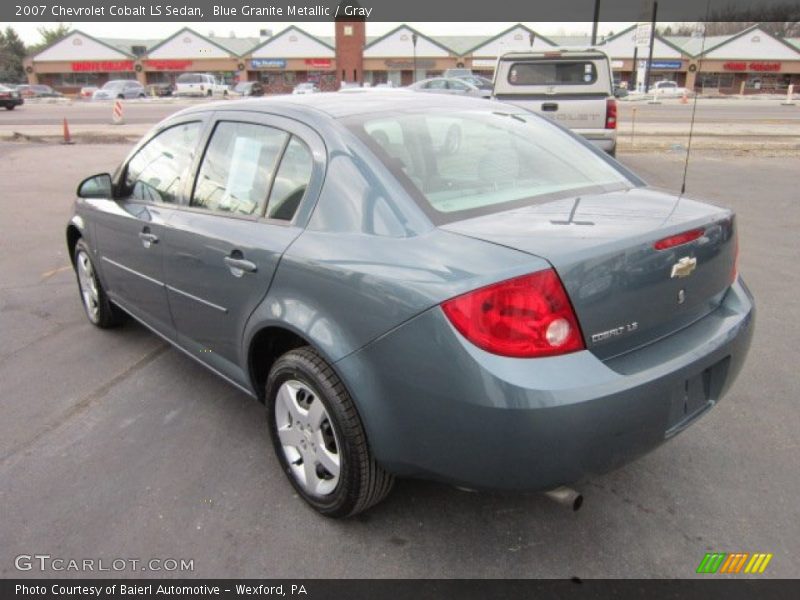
(735, 269)
(525, 317)
(611, 113)
(679, 239)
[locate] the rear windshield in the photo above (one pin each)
(462, 164)
(557, 72)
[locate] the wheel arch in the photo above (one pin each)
(267, 345)
(74, 233)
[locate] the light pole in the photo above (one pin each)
(414, 44)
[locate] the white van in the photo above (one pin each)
(574, 87)
(199, 84)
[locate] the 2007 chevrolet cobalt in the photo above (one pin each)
(446, 288)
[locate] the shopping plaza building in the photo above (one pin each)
(751, 61)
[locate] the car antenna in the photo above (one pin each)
(694, 102)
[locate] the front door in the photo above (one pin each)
(222, 250)
(130, 228)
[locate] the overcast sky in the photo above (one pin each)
(30, 35)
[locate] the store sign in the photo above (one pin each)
(642, 35)
(422, 63)
(666, 64)
(662, 65)
(753, 66)
(168, 65)
(320, 63)
(104, 66)
(268, 63)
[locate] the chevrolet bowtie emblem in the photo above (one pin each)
(684, 267)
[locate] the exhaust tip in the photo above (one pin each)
(566, 496)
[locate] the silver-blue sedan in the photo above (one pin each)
(419, 286)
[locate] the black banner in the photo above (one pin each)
(366, 589)
(392, 10)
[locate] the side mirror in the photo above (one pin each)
(96, 186)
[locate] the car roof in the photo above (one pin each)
(356, 102)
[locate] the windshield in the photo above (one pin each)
(113, 85)
(460, 164)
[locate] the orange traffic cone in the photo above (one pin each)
(67, 136)
(684, 98)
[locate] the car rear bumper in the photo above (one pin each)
(605, 139)
(437, 407)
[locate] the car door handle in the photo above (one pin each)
(550, 106)
(148, 238)
(240, 266)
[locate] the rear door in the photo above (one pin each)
(130, 228)
(223, 248)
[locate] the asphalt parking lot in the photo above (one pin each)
(113, 445)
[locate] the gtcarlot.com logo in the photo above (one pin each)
(46, 562)
(734, 562)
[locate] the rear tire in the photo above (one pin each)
(319, 439)
(98, 308)
(10, 106)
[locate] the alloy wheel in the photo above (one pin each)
(307, 438)
(88, 285)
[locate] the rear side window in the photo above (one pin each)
(557, 72)
(291, 181)
(237, 168)
(155, 173)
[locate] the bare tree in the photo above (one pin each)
(782, 20)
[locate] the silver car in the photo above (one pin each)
(450, 85)
(120, 88)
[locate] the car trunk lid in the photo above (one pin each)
(626, 293)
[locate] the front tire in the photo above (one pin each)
(319, 439)
(10, 106)
(99, 310)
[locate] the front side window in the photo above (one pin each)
(237, 168)
(459, 164)
(155, 173)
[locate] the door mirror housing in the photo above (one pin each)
(96, 186)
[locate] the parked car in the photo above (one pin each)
(479, 82)
(305, 88)
(11, 86)
(10, 98)
(513, 313)
(620, 91)
(448, 73)
(444, 85)
(160, 90)
(248, 88)
(87, 91)
(199, 84)
(669, 89)
(38, 91)
(572, 87)
(120, 89)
